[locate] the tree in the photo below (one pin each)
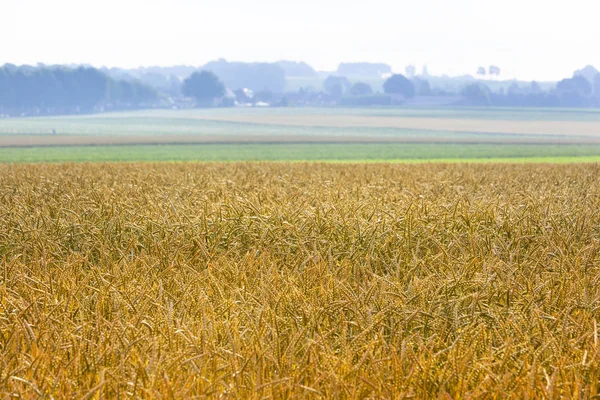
(361, 89)
(204, 86)
(46, 90)
(535, 87)
(127, 94)
(411, 71)
(589, 73)
(577, 84)
(494, 70)
(597, 86)
(422, 87)
(398, 84)
(481, 71)
(574, 92)
(336, 86)
(477, 94)
(514, 88)
(92, 87)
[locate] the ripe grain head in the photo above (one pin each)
(299, 280)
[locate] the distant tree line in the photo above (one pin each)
(396, 89)
(206, 87)
(572, 92)
(45, 90)
(60, 90)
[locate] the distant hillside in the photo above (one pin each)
(161, 79)
(364, 69)
(179, 71)
(254, 76)
(295, 69)
(455, 84)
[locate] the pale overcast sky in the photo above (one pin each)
(542, 39)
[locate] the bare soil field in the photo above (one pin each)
(237, 126)
(561, 128)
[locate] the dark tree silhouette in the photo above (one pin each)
(494, 70)
(361, 89)
(61, 90)
(203, 86)
(398, 84)
(578, 84)
(422, 87)
(597, 86)
(477, 94)
(336, 86)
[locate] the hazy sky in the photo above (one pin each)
(542, 39)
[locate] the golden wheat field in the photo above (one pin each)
(266, 280)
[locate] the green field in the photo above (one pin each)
(303, 152)
(305, 134)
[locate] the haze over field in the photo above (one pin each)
(534, 39)
(299, 199)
